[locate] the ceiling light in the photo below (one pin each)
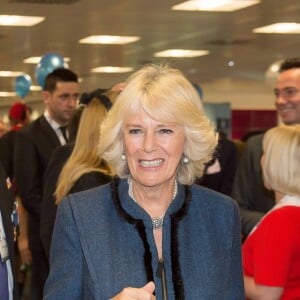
(37, 59)
(109, 39)
(13, 20)
(10, 73)
(231, 63)
(8, 94)
(110, 69)
(214, 5)
(283, 28)
(181, 53)
(35, 88)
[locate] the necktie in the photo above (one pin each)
(63, 130)
(3, 281)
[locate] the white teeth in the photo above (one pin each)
(151, 163)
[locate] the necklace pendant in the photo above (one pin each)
(157, 223)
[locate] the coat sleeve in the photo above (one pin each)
(66, 258)
(28, 173)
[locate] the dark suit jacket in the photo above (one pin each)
(7, 151)
(85, 182)
(34, 145)
(227, 155)
(48, 209)
(248, 190)
(6, 206)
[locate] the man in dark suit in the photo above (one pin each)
(34, 146)
(8, 285)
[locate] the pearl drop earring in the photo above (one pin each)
(186, 160)
(123, 157)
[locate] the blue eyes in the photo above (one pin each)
(165, 131)
(161, 131)
(135, 131)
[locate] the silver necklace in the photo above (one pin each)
(157, 222)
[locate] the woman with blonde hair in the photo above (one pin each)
(84, 167)
(271, 253)
(151, 233)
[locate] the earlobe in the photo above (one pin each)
(45, 96)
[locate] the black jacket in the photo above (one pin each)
(85, 182)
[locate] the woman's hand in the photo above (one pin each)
(143, 293)
(23, 247)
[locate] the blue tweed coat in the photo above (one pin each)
(103, 242)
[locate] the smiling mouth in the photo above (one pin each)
(286, 110)
(151, 163)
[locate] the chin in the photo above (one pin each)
(290, 122)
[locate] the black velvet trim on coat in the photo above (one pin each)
(139, 226)
(175, 219)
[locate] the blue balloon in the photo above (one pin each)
(48, 63)
(52, 61)
(41, 74)
(22, 85)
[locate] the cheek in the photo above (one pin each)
(131, 145)
(178, 145)
(298, 105)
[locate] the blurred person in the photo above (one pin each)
(219, 172)
(76, 166)
(152, 233)
(33, 147)
(248, 189)
(271, 253)
(3, 127)
(85, 169)
(19, 116)
(8, 278)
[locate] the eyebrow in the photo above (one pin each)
(173, 124)
(285, 88)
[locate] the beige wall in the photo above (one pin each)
(242, 94)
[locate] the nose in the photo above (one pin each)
(149, 142)
(280, 99)
(73, 101)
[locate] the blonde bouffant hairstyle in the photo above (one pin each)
(84, 157)
(166, 96)
(281, 159)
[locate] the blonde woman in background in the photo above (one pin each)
(75, 167)
(84, 168)
(271, 253)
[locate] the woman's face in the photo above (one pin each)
(153, 150)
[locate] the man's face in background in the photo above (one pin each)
(287, 93)
(62, 101)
